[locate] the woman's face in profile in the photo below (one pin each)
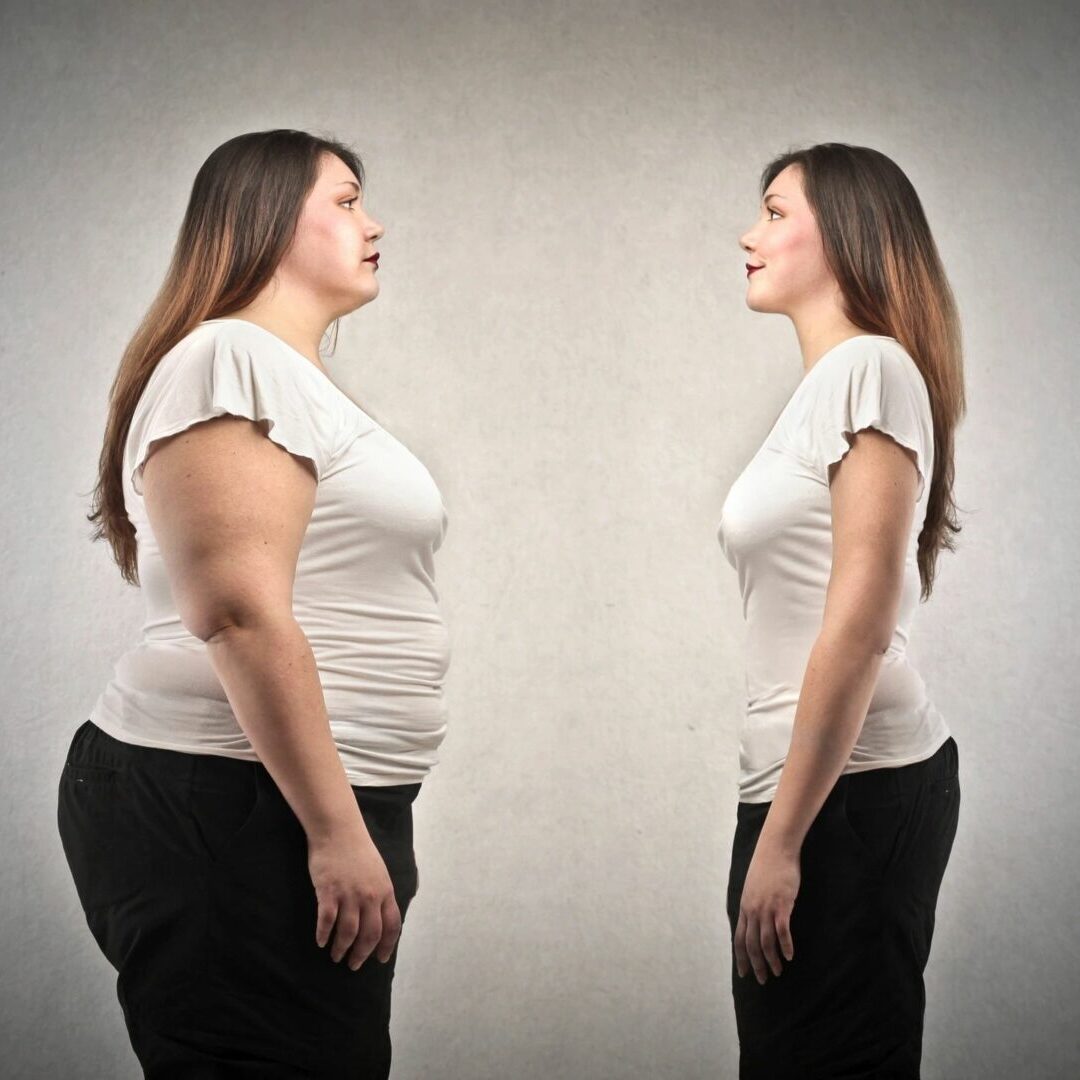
(334, 237)
(786, 243)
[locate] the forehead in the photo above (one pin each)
(333, 172)
(786, 185)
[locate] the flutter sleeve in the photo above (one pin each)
(870, 385)
(214, 376)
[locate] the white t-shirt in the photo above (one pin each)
(364, 591)
(776, 531)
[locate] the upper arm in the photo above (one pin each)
(227, 448)
(229, 508)
(867, 433)
(873, 492)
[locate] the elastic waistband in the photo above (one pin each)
(91, 746)
(943, 764)
(883, 782)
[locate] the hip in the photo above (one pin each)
(887, 824)
(128, 811)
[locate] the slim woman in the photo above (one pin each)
(848, 790)
(237, 810)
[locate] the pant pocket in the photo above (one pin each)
(223, 815)
(103, 845)
(942, 819)
(877, 829)
(87, 793)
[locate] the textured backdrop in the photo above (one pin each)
(562, 338)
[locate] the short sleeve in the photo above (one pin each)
(870, 385)
(208, 375)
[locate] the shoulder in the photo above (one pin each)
(230, 345)
(864, 382)
(869, 360)
(229, 362)
(227, 367)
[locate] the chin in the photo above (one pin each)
(762, 304)
(367, 294)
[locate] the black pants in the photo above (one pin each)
(850, 1004)
(192, 871)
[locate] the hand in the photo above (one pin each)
(768, 898)
(354, 892)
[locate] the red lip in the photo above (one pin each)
(750, 269)
(374, 260)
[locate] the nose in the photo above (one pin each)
(746, 241)
(372, 229)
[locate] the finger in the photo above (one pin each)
(768, 945)
(753, 947)
(348, 922)
(783, 930)
(368, 938)
(391, 924)
(324, 922)
(742, 961)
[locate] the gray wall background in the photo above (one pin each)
(562, 338)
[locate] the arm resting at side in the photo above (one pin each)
(229, 509)
(873, 504)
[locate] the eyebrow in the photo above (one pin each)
(351, 183)
(773, 195)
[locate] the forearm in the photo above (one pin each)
(268, 672)
(837, 687)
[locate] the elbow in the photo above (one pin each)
(869, 636)
(208, 637)
(209, 627)
(218, 602)
(215, 626)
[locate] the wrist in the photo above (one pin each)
(779, 841)
(333, 828)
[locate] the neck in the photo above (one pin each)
(296, 325)
(819, 331)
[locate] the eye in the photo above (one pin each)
(772, 210)
(352, 200)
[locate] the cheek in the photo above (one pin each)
(789, 242)
(326, 244)
(338, 233)
(799, 250)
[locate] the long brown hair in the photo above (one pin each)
(878, 245)
(240, 220)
